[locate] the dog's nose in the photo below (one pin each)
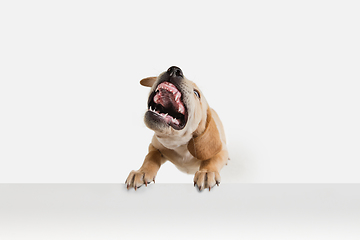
(175, 71)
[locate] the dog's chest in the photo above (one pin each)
(183, 160)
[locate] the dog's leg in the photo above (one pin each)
(148, 170)
(208, 174)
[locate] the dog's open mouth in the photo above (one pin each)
(166, 103)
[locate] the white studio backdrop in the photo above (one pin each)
(283, 76)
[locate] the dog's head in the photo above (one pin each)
(177, 108)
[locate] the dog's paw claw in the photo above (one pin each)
(206, 179)
(136, 179)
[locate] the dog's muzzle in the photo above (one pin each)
(165, 104)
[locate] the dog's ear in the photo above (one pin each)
(208, 143)
(148, 82)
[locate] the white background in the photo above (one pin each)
(283, 76)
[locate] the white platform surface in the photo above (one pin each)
(178, 211)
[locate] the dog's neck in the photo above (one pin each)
(173, 142)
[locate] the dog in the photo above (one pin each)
(188, 132)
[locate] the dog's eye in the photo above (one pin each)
(197, 93)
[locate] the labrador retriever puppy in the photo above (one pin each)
(187, 132)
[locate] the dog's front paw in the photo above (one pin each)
(206, 179)
(138, 178)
